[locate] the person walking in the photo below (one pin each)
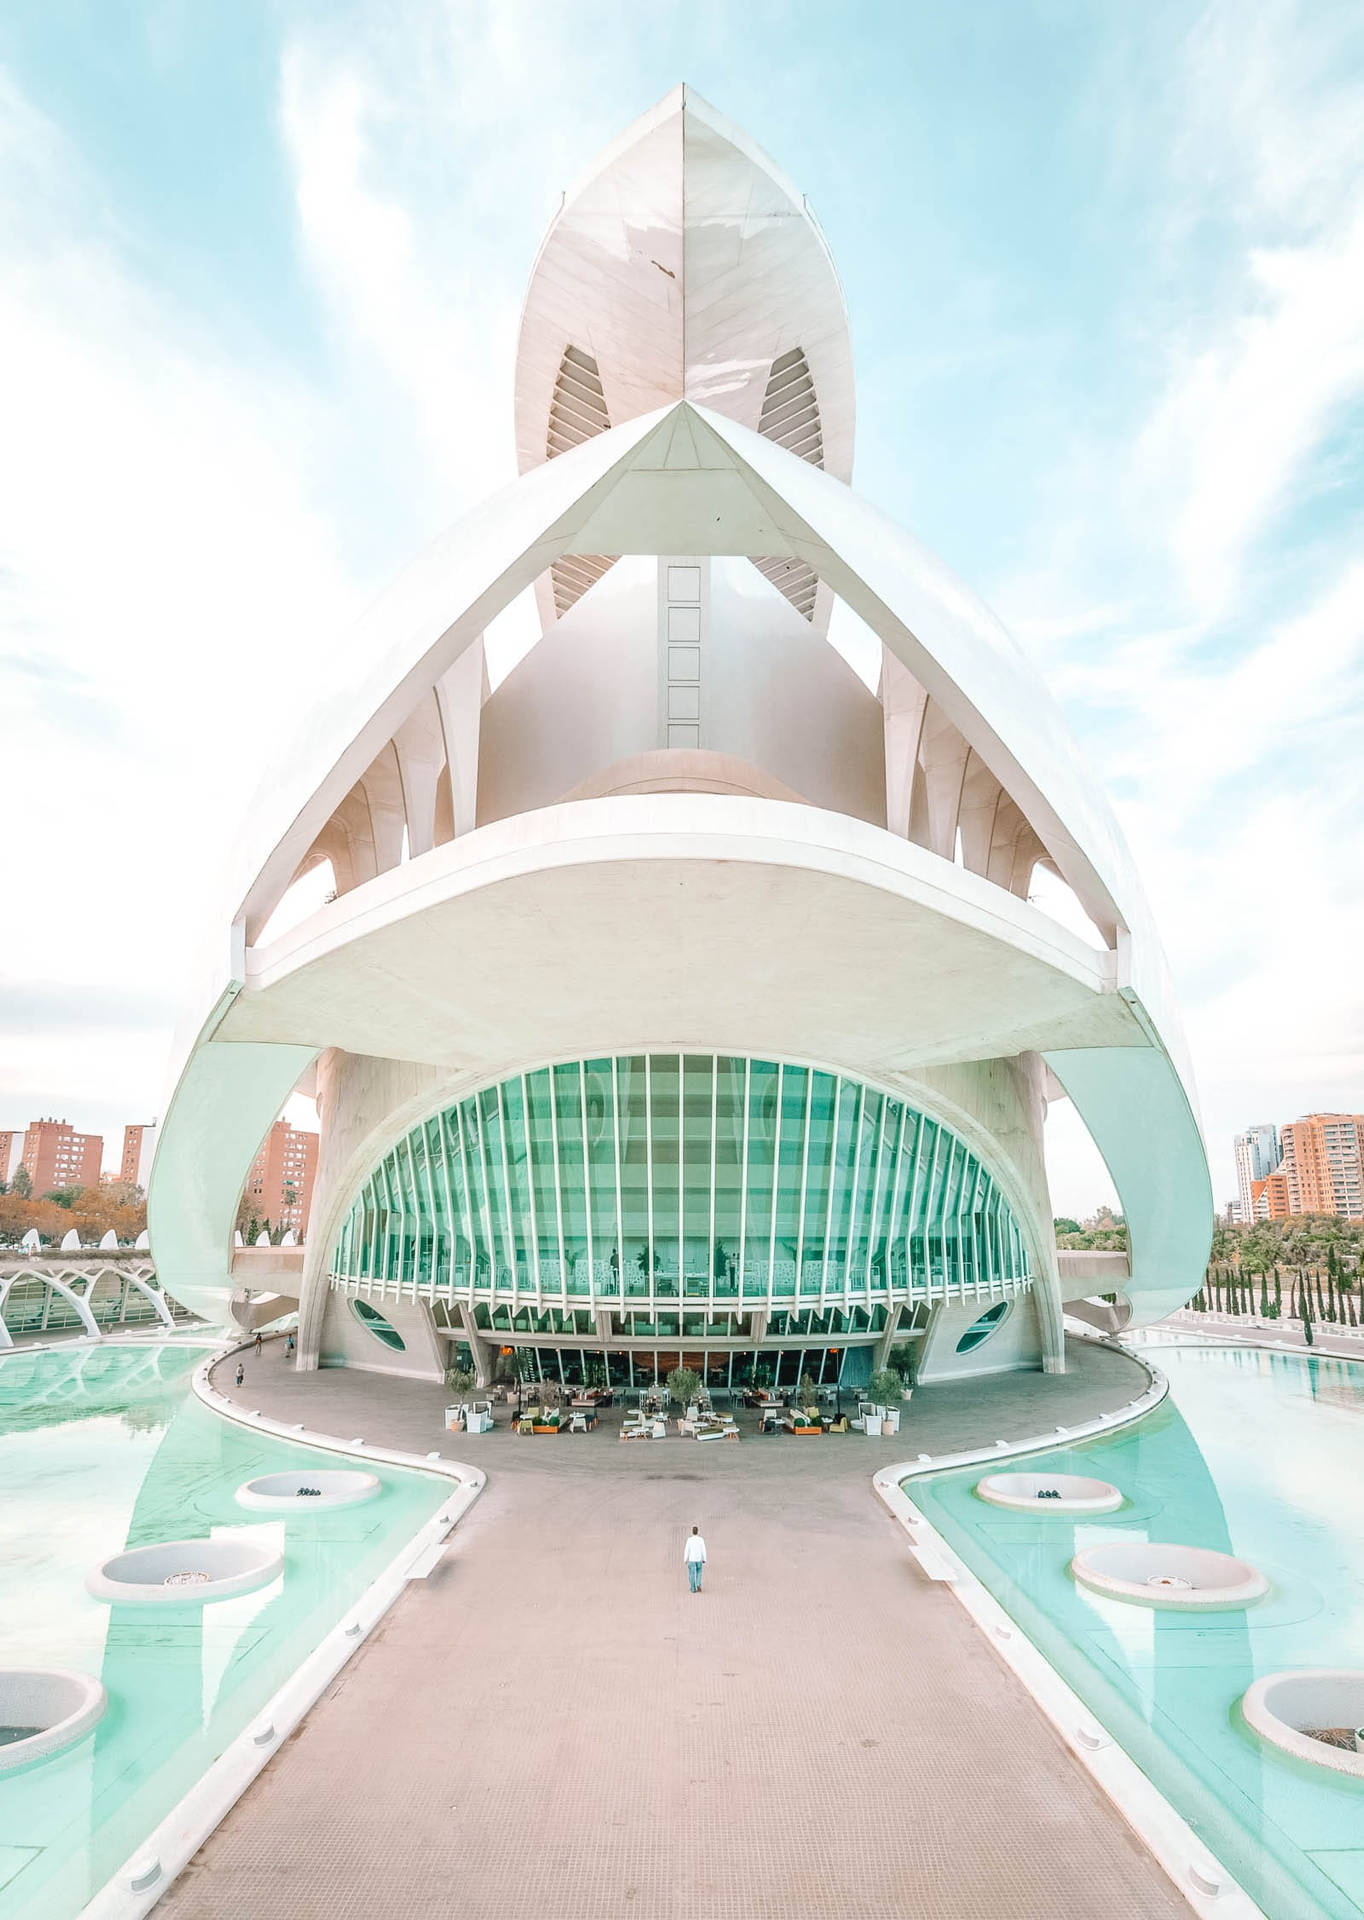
(695, 1557)
(289, 1348)
(257, 1340)
(241, 1373)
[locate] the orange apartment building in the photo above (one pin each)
(11, 1149)
(56, 1156)
(1323, 1164)
(1269, 1198)
(280, 1183)
(138, 1143)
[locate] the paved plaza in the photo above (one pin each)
(553, 1724)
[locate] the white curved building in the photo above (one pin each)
(682, 997)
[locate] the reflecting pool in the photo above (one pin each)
(105, 1447)
(1254, 1453)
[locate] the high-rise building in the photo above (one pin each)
(681, 995)
(1323, 1164)
(139, 1144)
(1257, 1155)
(280, 1183)
(11, 1152)
(1269, 1198)
(56, 1156)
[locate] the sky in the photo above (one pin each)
(260, 274)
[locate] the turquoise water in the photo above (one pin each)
(1259, 1454)
(106, 1447)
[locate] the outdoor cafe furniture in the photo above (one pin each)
(582, 1420)
(540, 1420)
(643, 1427)
(803, 1421)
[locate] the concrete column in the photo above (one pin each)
(887, 1340)
(604, 1332)
(479, 1348)
(363, 1104)
(757, 1326)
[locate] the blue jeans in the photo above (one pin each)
(694, 1574)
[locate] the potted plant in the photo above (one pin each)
(886, 1388)
(684, 1383)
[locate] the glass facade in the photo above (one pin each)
(661, 1179)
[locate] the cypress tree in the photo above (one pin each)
(1278, 1296)
(1306, 1308)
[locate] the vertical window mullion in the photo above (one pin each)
(874, 1203)
(861, 1102)
(776, 1190)
(897, 1190)
(449, 1201)
(466, 1196)
(649, 1169)
(620, 1211)
(743, 1191)
(710, 1235)
(512, 1261)
(587, 1182)
(681, 1188)
(928, 1211)
(912, 1208)
(804, 1179)
(528, 1123)
(435, 1216)
(558, 1182)
(829, 1210)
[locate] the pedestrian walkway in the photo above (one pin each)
(553, 1724)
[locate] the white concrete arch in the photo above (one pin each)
(688, 481)
(157, 1298)
(54, 1285)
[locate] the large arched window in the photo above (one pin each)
(693, 1177)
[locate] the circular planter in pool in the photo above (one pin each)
(44, 1710)
(185, 1573)
(1316, 1714)
(307, 1492)
(1049, 1493)
(1155, 1574)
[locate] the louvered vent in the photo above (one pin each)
(576, 413)
(790, 416)
(795, 578)
(578, 410)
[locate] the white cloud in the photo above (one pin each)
(160, 560)
(1215, 662)
(1242, 413)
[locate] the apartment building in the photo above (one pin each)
(1323, 1164)
(55, 1156)
(280, 1183)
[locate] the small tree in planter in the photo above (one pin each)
(460, 1380)
(885, 1387)
(807, 1393)
(684, 1384)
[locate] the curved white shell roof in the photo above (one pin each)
(684, 265)
(677, 274)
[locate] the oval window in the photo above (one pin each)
(374, 1322)
(980, 1330)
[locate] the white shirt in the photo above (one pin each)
(696, 1548)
